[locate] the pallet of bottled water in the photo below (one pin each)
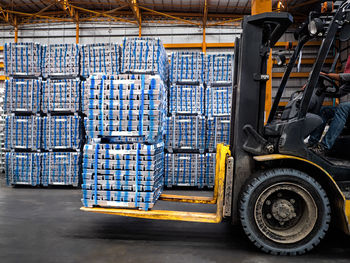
(218, 131)
(22, 132)
(61, 95)
(62, 132)
(22, 168)
(60, 60)
(186, 99)
(144, 56)
(61, 168)
(125, 106)
(22, 59)
(185, 133)
(123, 175)
(22, 95)
(219, 69)
(100, 58)
(187, 67)
(218, 100)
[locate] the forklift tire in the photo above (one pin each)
(284, 211)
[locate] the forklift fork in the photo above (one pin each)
(218, 199)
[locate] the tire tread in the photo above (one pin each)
(266, 175)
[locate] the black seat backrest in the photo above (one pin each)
(291, 109)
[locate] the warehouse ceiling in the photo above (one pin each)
(195, 12)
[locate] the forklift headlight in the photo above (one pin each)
(316, 27)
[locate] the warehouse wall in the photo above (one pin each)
(104, 32)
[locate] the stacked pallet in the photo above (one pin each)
(219, 68)
(199, 116)
(125, 106)
(22, 138)
(21, 107)
(186, 99)
(219, 81)
(60, 60)
(185, 130)
(22, 132)
(61, 107)
(61, 95)
(22, 60)
(123, 175)
(62, 124)
(123, 162)
(187, 66)
(144, 55)
(99, 58)
(190, 169)
(43, 131)
(61, 168)
(62, 132)
(22, 95)
(23, 168)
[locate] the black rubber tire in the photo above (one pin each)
(257, 185)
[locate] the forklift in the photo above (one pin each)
(283, 194)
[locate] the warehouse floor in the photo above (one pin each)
(46, 225)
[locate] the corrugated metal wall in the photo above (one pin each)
(104, 32)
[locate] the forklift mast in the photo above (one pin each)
(260, 34)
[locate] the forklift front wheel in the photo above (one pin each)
(284, 211)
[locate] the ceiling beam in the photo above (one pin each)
(38, 13)
(68, 9)
(136, 10)
(107, 12)
(205, 13)
(38, 16)
(4, 15)
(104, 15)
(170, 6)
(9, 18)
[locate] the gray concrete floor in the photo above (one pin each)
(46, 225)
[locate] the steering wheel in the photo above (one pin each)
(328, 91)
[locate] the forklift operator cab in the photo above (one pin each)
(267, 180)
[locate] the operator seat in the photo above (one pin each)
(312, 118)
